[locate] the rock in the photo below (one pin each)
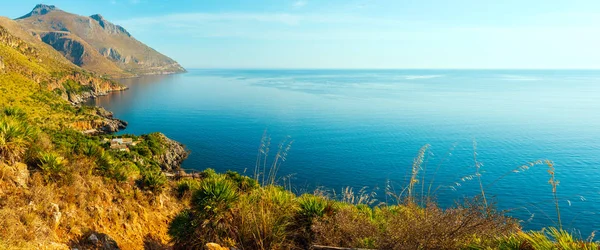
(215, 246)
(108, 26)
(39, 10)
(93, 239)
(21, 174)
(112, 125)
(72, 49)
(109, 123)
(56, 215)
(98, 241)
(173, 155)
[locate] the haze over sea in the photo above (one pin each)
(363, 128)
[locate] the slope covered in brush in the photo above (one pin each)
(59, 185)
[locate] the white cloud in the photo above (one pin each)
(299, 4)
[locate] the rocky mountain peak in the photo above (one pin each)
(39, 10)
(98, 18)
(108, 26)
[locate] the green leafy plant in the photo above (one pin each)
(52, 165)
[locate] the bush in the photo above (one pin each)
(264, 219)
(152, 179)
(186, 187)
(244, 183)
(15, 138)
(312, 206)
(211, 216)
(52, 166)
(215, 196)
(124, 171)
(346, 228)
(182, 230)
(14, 112)
(413, 227)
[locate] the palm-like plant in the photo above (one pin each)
(15, 138)
(52, 165)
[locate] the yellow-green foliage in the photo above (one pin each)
(548, 238)
(58, 184)
(270, 217)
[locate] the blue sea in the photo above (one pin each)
(363, 129)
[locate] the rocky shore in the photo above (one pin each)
(174, 154)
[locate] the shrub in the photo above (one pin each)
(186, 187)
(211, 215)
(52, 166)
(124, 171)
(264, 219)
(152, 179)
(312, 206)
(208, 173)
(14, 112)
(348, 227)
(15, 137)
(182, 229)
(215, 196)
(244, 183)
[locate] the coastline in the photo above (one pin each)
(171, 160)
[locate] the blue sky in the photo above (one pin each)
(356, 34)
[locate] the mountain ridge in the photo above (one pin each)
(96, 44)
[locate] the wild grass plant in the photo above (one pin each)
(267, 216)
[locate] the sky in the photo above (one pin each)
(339, 34)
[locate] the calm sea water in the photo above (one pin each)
(363, 128)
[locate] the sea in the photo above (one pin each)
(364, 129)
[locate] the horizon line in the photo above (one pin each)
(274, 68)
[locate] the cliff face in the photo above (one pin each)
(71, 34)
(173, 155)
(71, 49)
(90, 87)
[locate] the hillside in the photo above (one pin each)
(59, 185)
(96, 44)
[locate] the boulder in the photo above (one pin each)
(95, 240)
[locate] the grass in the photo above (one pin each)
(269, 217)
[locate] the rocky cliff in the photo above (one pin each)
(173, 155)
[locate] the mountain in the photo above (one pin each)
(96, 44)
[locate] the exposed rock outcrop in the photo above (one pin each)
(70, 48)
(173, 155)
(39, 10)
(108, 124)
(108, 26)
(95, 240)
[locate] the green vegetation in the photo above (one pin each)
(271, 217)
(57, 183)
(72, 87)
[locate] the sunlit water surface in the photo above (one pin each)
(363, 128)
